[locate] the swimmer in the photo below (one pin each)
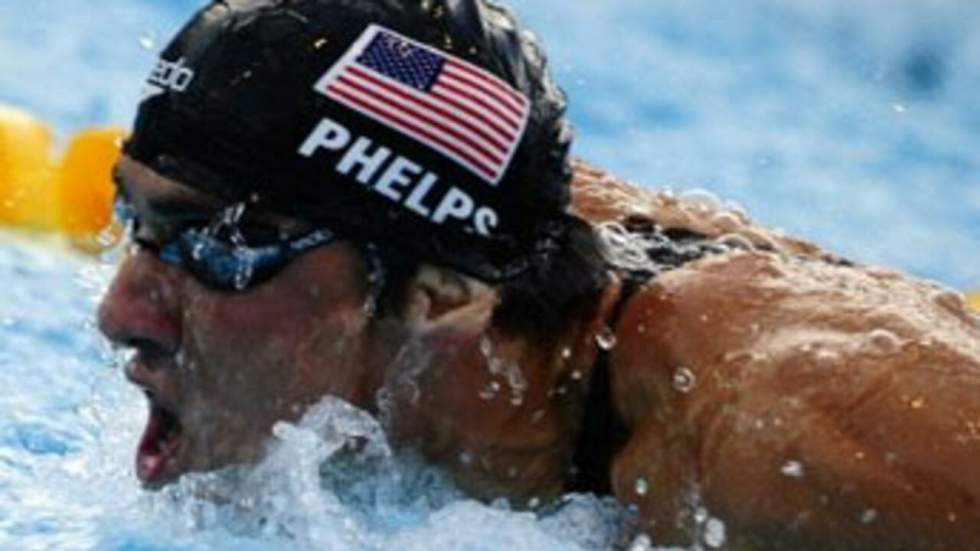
(367, 199)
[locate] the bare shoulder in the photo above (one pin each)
(601, 198)
(801, 397)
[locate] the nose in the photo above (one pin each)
(141, 308)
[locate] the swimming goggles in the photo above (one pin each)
(225, 254)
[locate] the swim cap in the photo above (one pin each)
(427, 126)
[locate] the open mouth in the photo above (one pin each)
(159, 445)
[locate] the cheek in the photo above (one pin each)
(265, 353)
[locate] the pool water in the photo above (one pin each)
(854, 123)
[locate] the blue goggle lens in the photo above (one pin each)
(219, 256)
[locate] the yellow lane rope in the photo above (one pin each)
(71, 193)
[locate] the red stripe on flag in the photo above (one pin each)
(434, 106)
(469, 110)
(490, 84)
(410, 126)
(514, 124)
(495, 158)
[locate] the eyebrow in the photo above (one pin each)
(178, 205)
(186, 206)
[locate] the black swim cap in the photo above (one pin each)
(426, 126)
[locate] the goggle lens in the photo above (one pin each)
(218, 254)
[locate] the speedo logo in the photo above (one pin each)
(168, 75)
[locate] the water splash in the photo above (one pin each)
(509, 371)
(332, 482)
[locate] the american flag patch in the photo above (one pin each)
(450, 105)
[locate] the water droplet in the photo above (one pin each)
(792, 469)
(884, 340)
(950, 300)
(486, 346)
(899, 108)
(726, 222)
(533, 503)
(684, 380)
(466, 458)
(515, 378)
(576, 375)
(109, 235)
(700, 199)
(197, 252)
(490, 391)
(641, 486)
(714, 533)
(869, 516)
(566, 352)
(148, 40)
(736, 356)
(606, 339)
(642, 543)
(701, 515)
(243, 276)
(736, 241)
(495, 366)
(918, 403)
(826, 357)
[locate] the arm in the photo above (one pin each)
(832, 406)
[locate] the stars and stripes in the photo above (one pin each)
(448, 104)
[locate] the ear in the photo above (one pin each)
(440, 297)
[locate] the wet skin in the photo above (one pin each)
(227, 366)
(807, 404)
(832, 407)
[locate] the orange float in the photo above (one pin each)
(26, 171)
(85, 191)
(39, 191)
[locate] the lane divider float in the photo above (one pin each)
(70, 193)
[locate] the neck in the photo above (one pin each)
(501, 413)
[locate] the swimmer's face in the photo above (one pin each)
(220, 368)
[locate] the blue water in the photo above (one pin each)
(855, 123)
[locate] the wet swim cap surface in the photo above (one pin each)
(431, 126)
